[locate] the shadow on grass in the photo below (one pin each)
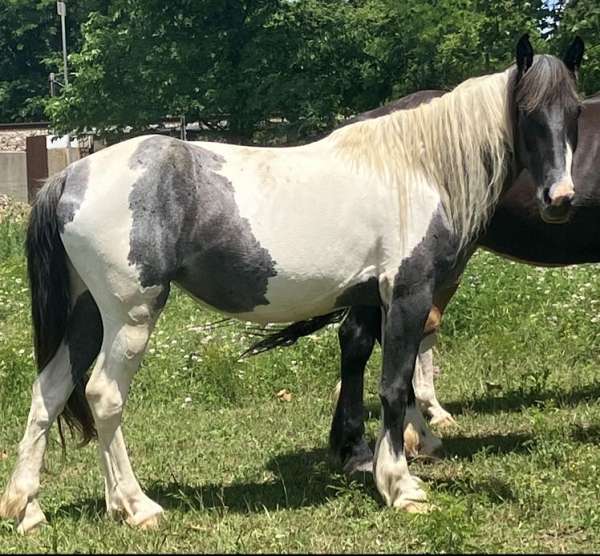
(466, 447)
(515, 400)
(306, 479)
(301, 479)
(512, 401)
(586, 434)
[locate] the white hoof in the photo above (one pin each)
(409, 496)
(27, 515)
(412, 441)
(397, 486)
(146, 520)
(142, 513)
(33, 518)
(418, 439)
(19, 503)
(443, 420)
(414, 507)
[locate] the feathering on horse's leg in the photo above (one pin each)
(418, 438)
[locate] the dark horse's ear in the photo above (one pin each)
(524, 54)
(574, 55)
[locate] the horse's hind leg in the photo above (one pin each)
(357, 336)
(50, 392)
(127, 329)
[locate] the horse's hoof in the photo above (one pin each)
(443, 421)
(152, 522)
(412, 442)
(360, 459)
(416, 445)
(359, 463)
(413, 500)
(413, 507)
(33, 519)
(353, 466)
(147, 518)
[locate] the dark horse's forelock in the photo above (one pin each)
(547, 81)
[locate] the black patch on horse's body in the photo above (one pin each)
(364, 293)
(74, 191)
(435, 259)
(187, 228)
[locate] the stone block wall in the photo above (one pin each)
(13, 140)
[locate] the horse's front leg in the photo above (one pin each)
(407, 310)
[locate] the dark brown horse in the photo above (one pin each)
(516, 231)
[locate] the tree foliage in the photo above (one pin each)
(240, 65)
(30, 47)
(581, 17)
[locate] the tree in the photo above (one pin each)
(580, 17)
(30, 42)
(240, 63)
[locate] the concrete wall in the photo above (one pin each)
(57, 159)
(13, 170)
(13, 175)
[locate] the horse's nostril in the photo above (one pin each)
(547, 198)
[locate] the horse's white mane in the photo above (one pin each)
(460, 143)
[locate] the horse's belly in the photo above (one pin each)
(245, 286)
(293, 298)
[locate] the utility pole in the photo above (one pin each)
(61, 9)
(183, 130)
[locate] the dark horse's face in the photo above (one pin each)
(547, 109)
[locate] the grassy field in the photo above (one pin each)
(239, 470)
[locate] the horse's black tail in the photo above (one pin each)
(51, 296)
(291, 334)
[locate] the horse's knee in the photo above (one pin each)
(393, 397)
(104, 398)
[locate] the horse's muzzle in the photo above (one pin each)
(556, 202)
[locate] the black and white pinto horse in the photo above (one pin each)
(378, 213)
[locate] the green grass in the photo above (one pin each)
(238, 470)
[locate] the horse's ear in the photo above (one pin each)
(574, 55)
(524, 54)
